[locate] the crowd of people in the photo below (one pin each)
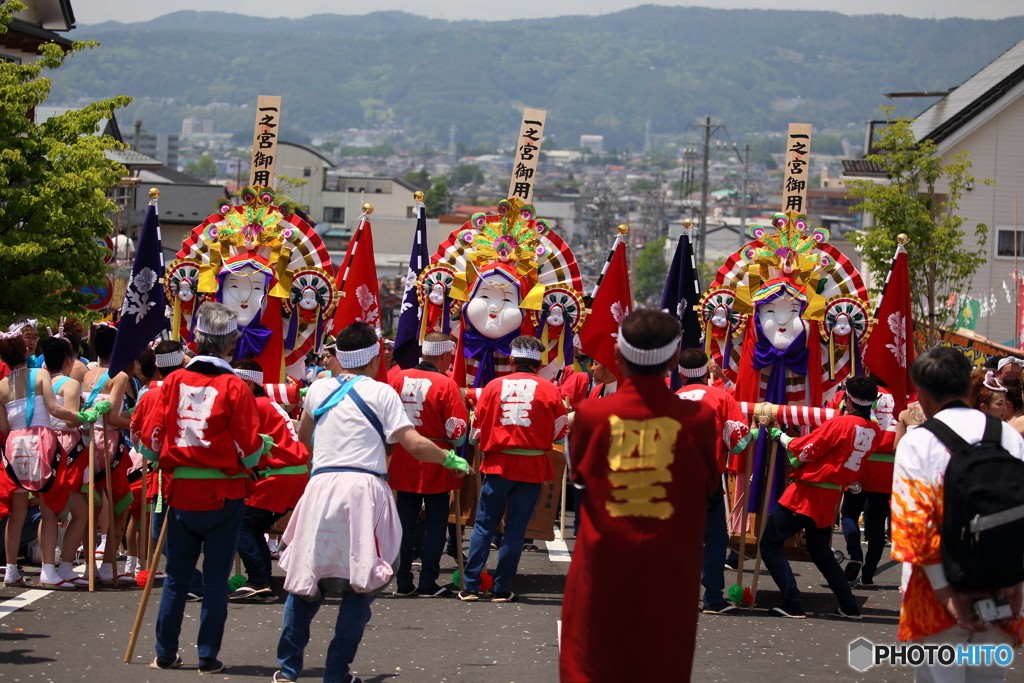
(187, 442)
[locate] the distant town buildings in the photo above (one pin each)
(193, 126)
(594, 142)
(162, 146)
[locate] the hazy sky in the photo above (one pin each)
(95, 11)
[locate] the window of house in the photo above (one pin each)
(13, 59)
(334, 214)
(1004, 242)
(332, 183)
(307, 172)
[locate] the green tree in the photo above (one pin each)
(649, 272)
(464, 174)
(438, 199)
(940, 259)
(54, 178)
(419, 179)
(203, 169)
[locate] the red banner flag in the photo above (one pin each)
(609, 305)
(357, 282)
(890, 350)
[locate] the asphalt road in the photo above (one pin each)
(82, 637)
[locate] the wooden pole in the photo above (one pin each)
(744, 515)
(458, 538)
(154, 561)
(111, 517)
(561, 522)
(761, 523)
(143, 518)
(90, 546)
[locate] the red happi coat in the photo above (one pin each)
(834, 453)
(434, 405)
(279, 492)
(205, 418)
(519, 412)
(647, 462)
(730, 422)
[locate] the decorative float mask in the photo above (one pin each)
(248, 256)
(501, 267)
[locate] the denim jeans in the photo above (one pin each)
(784, 523)
(196, 587)
(716, 540)
(348, 631)
(215, 534)
(252, 546)
(495, 493)
(408, 505)
(875, 507)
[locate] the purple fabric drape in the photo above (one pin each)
(482, 349)
(793, 358)
(252, 339)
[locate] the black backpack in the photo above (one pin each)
(983, 510)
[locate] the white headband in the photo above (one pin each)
(1003, 362)
(359, 357)
(858, 401)
(530, 354)
(251, 375)
(433, 349)
(231, 326)
(992, 382)
(647, 357)
(693, 372)
(174, 359)
(19, 325)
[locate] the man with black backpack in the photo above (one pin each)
(957, 518)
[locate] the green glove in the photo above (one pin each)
(102, 407)
(88, 416)
(454, 462)
(268, 443)
(793, 460)
(302, 392)
(131, 411)
(754, 433)
(775, 433)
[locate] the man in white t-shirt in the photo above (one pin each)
(934, 612)
(344, 533)
(124, 249)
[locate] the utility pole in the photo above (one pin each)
(703, 229)
(451, 142)
(743, 195)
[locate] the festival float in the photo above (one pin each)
(786, 319)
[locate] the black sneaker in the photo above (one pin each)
(788, 612)
(466, 596)
(193, 597)
(435, 592)
(210, 665)
(867, 581)
(852, 614)
(507, 596)
(410, 593)
(166, 662)
(723, 607)
(853, 569)
(279, 677)
(732, 562)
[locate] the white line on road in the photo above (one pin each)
(559, 635)
(23, 600)
(558, 551)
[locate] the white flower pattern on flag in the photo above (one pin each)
(618, 313)
(136, 299)
(367, 302)
(898, 326)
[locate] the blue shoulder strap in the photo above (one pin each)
(30, 397)
(345, 388)
(97, 388)
(59, 383)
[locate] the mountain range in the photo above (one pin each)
(753, 70)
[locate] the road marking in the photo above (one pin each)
(23, 600)
(558, 551)
(559, 635)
